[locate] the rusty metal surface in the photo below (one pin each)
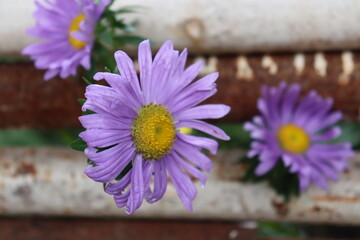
(231, 26)
(50, 182)
(27, 101)
(96, 229)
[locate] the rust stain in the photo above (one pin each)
(47, 176)
(281, 208)
(25, 169)
(6, 165)
(337, 199)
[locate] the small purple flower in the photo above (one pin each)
(66, 28)
(298, 132)
(141, 117)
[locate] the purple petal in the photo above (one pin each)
(204, 127)
(160, 182)
(137, 185)
(127, 69)
(207, 111)
(182, 182)
(145, 65)
(193, 153)
(201, 142)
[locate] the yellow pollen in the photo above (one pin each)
(74, 26)
(153, 131)
(293, 139)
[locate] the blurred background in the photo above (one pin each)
(44, 192)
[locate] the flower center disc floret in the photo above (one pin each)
(74, 26)
(153, 131)
(293, 139)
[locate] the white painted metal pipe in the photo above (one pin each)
(218, 26)
(50, 182)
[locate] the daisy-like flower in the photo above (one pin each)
(66, 28)
(139, 119)
(298, 132)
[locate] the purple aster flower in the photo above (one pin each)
(298, 132)
(141, 118)
(66, 28)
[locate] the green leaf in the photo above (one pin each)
(87, 81)
(127, 39)
(79, 145)
(81, 101)
(279, 177)
(280, 230)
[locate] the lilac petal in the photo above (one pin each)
(304, 181)
(318, 179)
(137, 185)
(177, 76)
(127, 69)
(43, 47)
(333, 118)
(289, 101)
(163, 66)
(102, 121)
(201, 142)
(182, 182)
(178, 105)
(204, 127)
(160, 182)
(85, 62)
(191, 169)
(108, 155)
(102, 99)
(145, 65)
(118, 186)
(109, 170)
(121, 199)
(51, 73)
(193, 94)
(100, 7)
(81, 36)
(190, 74)
(124, 90)
(193, 154)
(267, 162)
(328, 135)
(104, 137)
(207, 111)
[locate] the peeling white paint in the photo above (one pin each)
(243, 69)
(299, 63)
(268, 62)
(26, 191)
(347, 67)
(320, 64)
(209, 65)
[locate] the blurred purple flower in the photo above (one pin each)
(298, 132)
(66, 28)
(141, 118)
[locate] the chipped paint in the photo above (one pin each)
(268, 63)
(299, 63)
(65, 191)
(243, 69)
(320, 64)
(209, 65)
(347, 68)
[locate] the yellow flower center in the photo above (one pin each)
(74, 26)
(293, 139)
(153, 131)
